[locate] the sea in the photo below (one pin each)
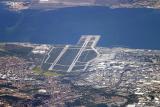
(121, 27)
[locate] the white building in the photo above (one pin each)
(42, 49)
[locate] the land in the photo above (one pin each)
(116, 77)
(56, 4)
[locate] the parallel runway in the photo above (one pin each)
(70, 58)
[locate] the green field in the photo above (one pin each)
(37, 70)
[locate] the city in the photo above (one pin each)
(56, 4)
(112, 77)
(79, 53)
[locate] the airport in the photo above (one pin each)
(68, 58)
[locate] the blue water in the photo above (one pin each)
(133, 28)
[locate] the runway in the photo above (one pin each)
(70, 58)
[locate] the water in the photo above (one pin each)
(133, 28)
